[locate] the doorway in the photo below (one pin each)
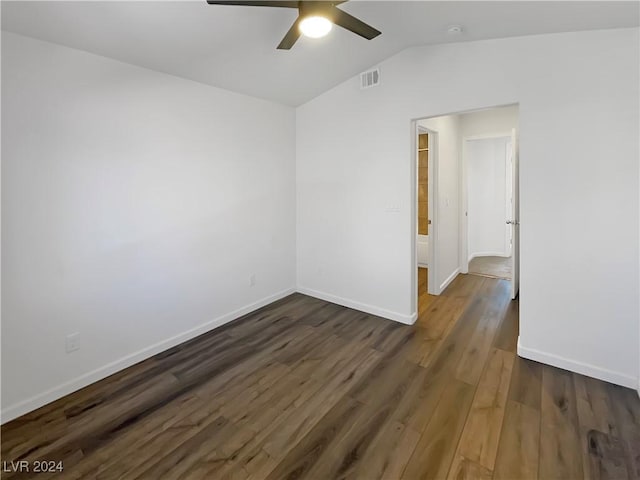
(458, 227)
(423, 210)
(487, 179)
(426, 188)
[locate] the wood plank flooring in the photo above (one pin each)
(307, 389)
(423, 280)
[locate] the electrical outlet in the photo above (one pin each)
(73, 342)
(252, 280)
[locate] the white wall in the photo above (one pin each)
(487, 165)
(135, 207)
(489, 122)
(577, 309)
(447, 230)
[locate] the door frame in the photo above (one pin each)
(432, 213)
(413, 189)
(464, 195)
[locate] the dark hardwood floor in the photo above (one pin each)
(308, 389)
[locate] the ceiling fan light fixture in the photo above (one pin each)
(315, 26)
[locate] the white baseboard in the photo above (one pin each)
(582, 368)
(449, 279)
(363, 307)
(41, 399)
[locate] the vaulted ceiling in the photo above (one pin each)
(235, 47)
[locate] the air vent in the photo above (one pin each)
(370, 79)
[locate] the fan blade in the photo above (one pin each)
(291, 36)
(351, 23)
(249, 3)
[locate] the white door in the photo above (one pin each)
(515, 218)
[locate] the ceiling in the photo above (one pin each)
(235, 47)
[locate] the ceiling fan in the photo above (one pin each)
(314, 18)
